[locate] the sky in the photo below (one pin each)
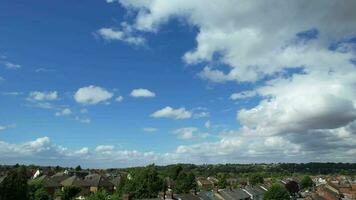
(120, 83)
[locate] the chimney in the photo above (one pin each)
(125, 196)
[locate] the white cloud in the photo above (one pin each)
(202, 114)
(307, 83)
(64, 112)
(243, 95)
(150, 129)
(43, 96)
(104, 148)
(169, 112)
(92, 95)
(110, 34)
(188, 133)
(5, 127)
(84, 120)
(140, 92)
(10, 65)
(119, 98)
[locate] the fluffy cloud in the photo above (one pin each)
(43, 96)
(5, 127)
(110, 34)
(298, 56)
(92, 95)
(188, 133)
(142, 93)
(243, 95)
(119, 98)
(10, 65)
(169, 112)
(65, 111)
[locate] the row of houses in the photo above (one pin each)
(88, 183)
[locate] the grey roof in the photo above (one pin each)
(2, 179)
(187, 197)
(207, 196)
(46, 181)
(235, 194)
(116, 181)
(97, 180)
(255, 191)
(74, 181)
(59, 177)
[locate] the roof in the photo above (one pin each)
(2, 178)
(116, 181)
(59, 177)
(187, 197)
(255, 191)
(74, 181)
(97, 180)
(235, 194)
(207, 196)
(46, 181)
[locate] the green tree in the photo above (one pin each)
(78, 168)
(222, 183)
(145, 183)
(99, 195)
(256, 179)
(69, 192)
(41, 194)
(306, 182)
(276, 192)
(14, 186)
(185, 182)
(37, 191)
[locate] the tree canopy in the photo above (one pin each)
(14, 186)
(306, 182)
(276, 192)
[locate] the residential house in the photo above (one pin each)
(49, 185)
(232, 194)
(255, 192)
(75, 181)
(205, 184)
(98, 182)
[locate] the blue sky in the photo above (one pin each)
(228, 82)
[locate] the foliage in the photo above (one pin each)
(222, 181)
(256, 179)
(69, 192)
(292, 187)
(185, 182)
(144, 183)
(99, 195)
(36, 191)
(41, 194)
(306, 182)
(276, 192)
(14, 186)
(78, 168)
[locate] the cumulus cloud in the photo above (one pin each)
(110, 34)
(243, 95)
(119, 98)
(169, 112)
(64, 112)
(91, 95)
(43, 96)
(142, 93)
(188, 133)
(299, 55)
(10, 65)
